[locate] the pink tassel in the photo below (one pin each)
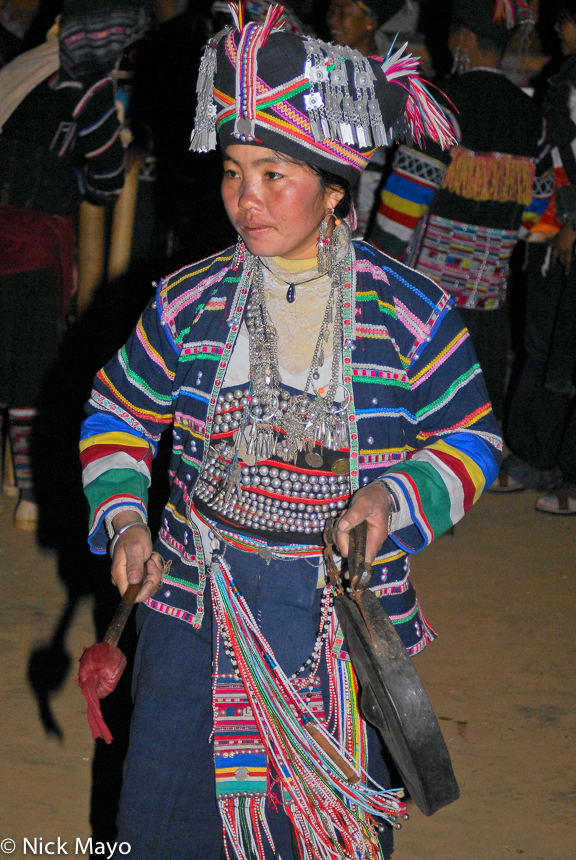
(425, 116)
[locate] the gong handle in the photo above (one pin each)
(118, 623)
(359, 570)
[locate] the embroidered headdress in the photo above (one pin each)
(92, 35)
(492, 19)
(324, 104)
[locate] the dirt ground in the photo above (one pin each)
(500, 594)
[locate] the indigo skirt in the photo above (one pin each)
(168, 805)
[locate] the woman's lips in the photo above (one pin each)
(255, 230)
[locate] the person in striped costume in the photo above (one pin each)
(456, 216)
(305, 378)
(60, 142)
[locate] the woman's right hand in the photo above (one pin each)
(134, 560)
(563, 251)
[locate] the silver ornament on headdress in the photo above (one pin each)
(333, 111)
(203, 137)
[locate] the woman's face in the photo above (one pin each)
(566, 29)
(348, 23)
(275, 205)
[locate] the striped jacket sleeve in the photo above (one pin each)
(405, 199)
(457, 440)
(99, 142)
(130, 406)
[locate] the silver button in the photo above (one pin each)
(241, 773)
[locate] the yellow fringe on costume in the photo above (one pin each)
(490, 176)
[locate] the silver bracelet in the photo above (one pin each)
(121, 531)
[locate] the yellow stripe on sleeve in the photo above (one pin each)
(114, 439)
(475, 472)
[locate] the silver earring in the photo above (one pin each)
(461, 62)
(324, 243)
(332, 249)
(238, 253)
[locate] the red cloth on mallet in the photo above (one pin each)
(101, 668)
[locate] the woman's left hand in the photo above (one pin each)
(371, 504)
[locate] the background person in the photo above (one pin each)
(456, 216)
(541, 425)
(354, 23)
(60, 141)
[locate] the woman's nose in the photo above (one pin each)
(249, 197)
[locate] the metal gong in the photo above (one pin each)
(392, 697)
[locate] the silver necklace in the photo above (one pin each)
(274, 421)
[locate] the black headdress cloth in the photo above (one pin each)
(324, 104)
(382, 10)
(496, 20)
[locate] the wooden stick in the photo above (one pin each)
(118, 623)
(90, 251)
(123, 223)
(315, 733)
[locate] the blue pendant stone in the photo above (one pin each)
(291, 293)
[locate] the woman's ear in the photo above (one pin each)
(469, 40)
(333, 196)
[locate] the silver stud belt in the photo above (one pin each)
(269, 498)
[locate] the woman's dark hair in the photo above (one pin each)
(485, 43)
(567, 9)
(330, 182)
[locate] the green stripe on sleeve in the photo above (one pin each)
(115, 482)
(434, 495)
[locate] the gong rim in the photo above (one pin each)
(393, 699)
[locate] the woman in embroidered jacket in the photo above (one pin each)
(304, 376)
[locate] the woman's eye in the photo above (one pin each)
(273, 174)
(229, 173)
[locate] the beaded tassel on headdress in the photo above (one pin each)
(254, 36)
(203, 137)
(512, 12)
(424, 115)
(331, 816)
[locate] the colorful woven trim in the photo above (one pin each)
(250, 544)
(490, 176)
(349, 317)
(468, 261)
(253, 36)
(331, 816)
